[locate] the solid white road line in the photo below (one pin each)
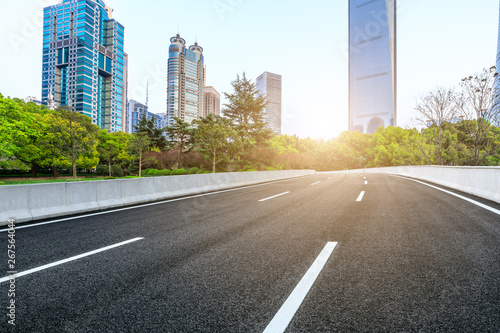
(329, 177)
(366, 182)
(147, 205)
(491, 209)
(57, 263)
(361, 195)
(315, 183)
(274, 196)
(289, 308)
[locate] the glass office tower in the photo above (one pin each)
(136, 110)
(496, 102)
(186, 80)
(84, 63)
(269, 86)
(372, 65)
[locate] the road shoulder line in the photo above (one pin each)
(491, 209)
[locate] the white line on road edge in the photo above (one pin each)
(41, 268)
(315, 183)
(289, 308)
(329, 177)
(274, 196)
(149, 204)
(366, 183)
(361, 195)
(491, 209)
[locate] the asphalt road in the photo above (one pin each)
(406, 258)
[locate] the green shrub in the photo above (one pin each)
(153, 172)
(109, 178)
(178, 172)
(165, 172)
(145, 172)
(116, 171)
(102, 170)
(270, 169)
(193, 171)
(200, 171)
(247, 170)
(207, 171)
(2, 183)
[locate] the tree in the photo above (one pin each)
(112, 146)
(30, 126)
(155, 135)
(76, 136)
(479, 106)
(182, 135)
(245, 110)
(284, 144)
(138, 145)
(435, 110)
(14, 123)
(216, 139)
(393, 146)
(348, 151)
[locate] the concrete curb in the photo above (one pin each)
(25, 203)
(483, 182)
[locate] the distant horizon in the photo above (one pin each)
(435, 48)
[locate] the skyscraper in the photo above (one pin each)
(269, 86)
(372, 65)
(211, 102)
(136, 111)
(84, 63)
(496, 102)
(186, 80)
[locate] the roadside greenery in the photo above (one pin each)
(456, 127)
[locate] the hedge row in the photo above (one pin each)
(176, 172)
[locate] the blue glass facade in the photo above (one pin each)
(84, 63)
(497, 79)
(372, 65)
(136, 111)
(186, 80)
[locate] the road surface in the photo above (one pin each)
(331, 252)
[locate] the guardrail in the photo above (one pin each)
(40, 201)
(483, 182)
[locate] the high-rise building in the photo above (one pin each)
(372, 65)
(136, 110)
(496, 102)
(186, 80)
(211, 101)
(269, 86)
(84, 63)
(32, 99)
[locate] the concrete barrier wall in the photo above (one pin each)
(39, 201)
(483, 182)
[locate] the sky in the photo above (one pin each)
(439, 43)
